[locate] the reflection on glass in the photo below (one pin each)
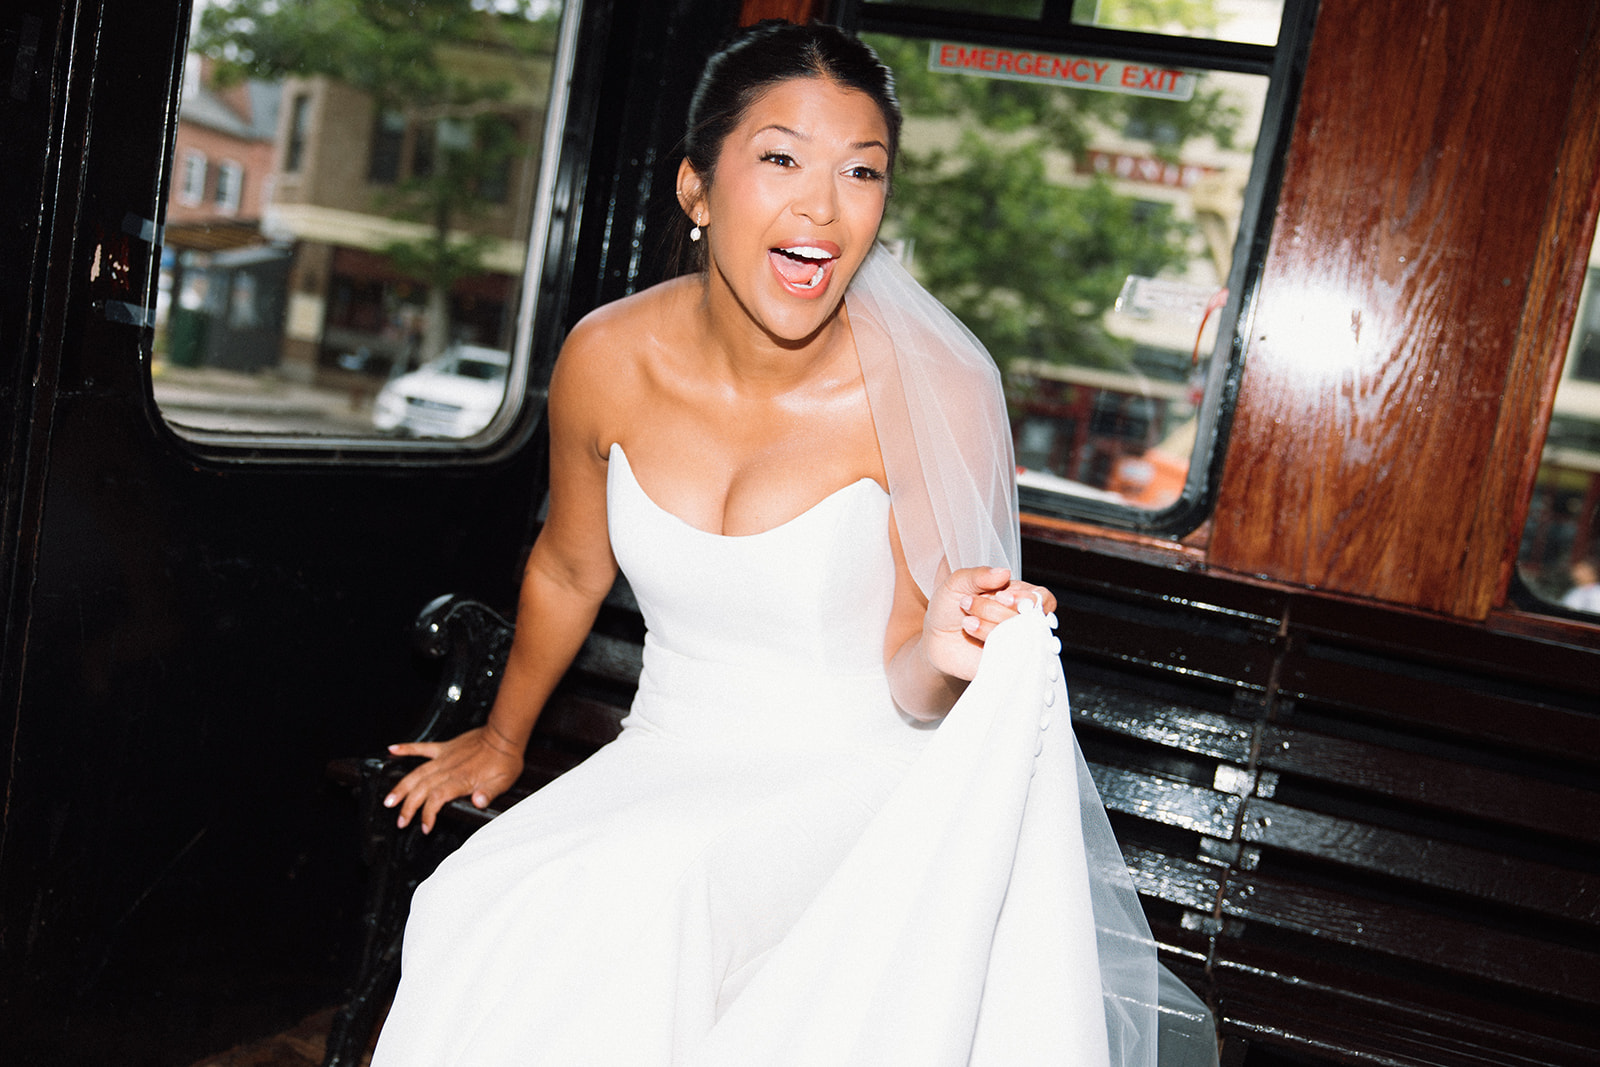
(1245, 21)
(1016, 9)
(1086, 236)
(1560, 554)
(349, 219)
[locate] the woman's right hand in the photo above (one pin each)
(965, 609)
(477, 762)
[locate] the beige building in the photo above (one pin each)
(354, 178)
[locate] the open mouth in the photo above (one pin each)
(803, 268)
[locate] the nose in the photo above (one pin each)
(817, 199)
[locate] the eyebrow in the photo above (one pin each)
(797, 135)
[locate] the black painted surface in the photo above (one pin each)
(191, 636)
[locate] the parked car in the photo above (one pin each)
(453, 396)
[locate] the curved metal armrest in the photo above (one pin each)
(474, 641)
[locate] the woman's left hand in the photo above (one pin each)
(964, 611)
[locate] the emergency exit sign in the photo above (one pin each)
(1050, 68)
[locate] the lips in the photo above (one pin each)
(804, 267)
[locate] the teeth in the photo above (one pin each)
(806, 252)
(816, 279)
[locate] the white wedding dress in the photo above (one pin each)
(771, 865)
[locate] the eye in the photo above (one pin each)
(865, 173)
(782, 159)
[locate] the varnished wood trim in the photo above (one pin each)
(1399, 300)
(798, 11)
(1542, 339)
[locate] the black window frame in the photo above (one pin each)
(542, 301)
(1283, 64)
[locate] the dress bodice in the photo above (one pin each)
(763, 624)
(811, 593)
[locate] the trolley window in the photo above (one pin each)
(1559, 559)
(1086, 183)
(353, 271)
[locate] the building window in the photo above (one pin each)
(230, 187)
(1091, 218)
(388, 145)
(192, 182)
(299, 132)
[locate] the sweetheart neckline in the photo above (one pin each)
(616, 450)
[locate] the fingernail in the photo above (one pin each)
(1005, 598)
(394, 748)
(966, 603)
(401, 822)
(390, 801)
(970, 624)
(426, 828)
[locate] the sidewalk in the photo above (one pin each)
(206, 398)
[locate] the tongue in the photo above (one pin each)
(795, 271)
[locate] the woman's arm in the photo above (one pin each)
(933, 647)
(568, 574)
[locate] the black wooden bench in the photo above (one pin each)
(1365, 837)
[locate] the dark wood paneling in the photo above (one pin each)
(753, 11)
(1388, 396)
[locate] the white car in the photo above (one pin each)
(455, 395)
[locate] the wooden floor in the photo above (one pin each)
(299, 1046)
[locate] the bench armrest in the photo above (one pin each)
(474, 641)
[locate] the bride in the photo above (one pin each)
(801, 462)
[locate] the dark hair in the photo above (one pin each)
(759, 58)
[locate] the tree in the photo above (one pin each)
(414, 58)
(1031, 263)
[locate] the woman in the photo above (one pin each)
(779, 861)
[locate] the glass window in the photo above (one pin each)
(1083, 215)
(1249, 21)
(388, 146)
(299, 131)
(230, 186)
(357, 274)
(192, 184)
(1560, 553)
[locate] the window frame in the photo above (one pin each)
(559, 175)
(1283, 64)
(192, 182)
(228, 193)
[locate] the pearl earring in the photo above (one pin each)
(694, 234)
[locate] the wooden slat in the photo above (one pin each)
(1426, 699)
(1540, 888)
(1381, 1021)
(1547, 967)
(1177, 881)
(580, 720)
(611, 659)
(1172, 726)
(1431, 782)
(1164, 801)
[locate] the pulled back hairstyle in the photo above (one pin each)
(759, 58)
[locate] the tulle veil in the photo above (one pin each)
(986, 917)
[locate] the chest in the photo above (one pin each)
(733, 466)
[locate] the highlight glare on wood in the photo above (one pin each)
(1414, 296)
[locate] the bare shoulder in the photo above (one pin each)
(611, 350)
(610, 357)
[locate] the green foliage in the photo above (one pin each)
(414, 56)
(393, 49)
(1028, 262)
